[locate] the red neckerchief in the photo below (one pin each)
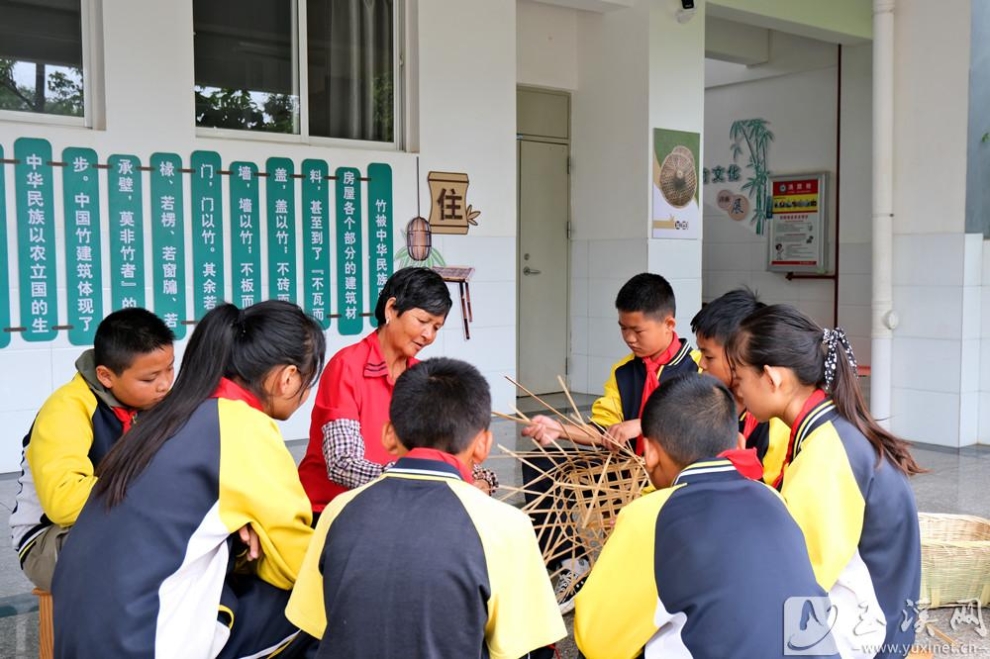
(652, 383)
(813, 400)
(745, 461)
(749, 424)
(441, 456)
(232, 391)
(125, 415)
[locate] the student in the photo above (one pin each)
(713, 327)
(646, 308)
(678, 577)
(846, 484)
(128, 370)
(156, 564)
(420, 563)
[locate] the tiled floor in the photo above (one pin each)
(956, 483)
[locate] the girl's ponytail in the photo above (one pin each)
(780, 335)
(839, 380)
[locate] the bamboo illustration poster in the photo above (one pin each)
(737, 185)
(676, 184)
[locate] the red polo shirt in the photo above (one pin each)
(355, 385)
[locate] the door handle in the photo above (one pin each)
(531, 271)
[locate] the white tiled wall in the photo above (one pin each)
(733, 257)
(680, 262)
(928, 259)
(492, 347)
(939, 351)
(928, 311)
(27, 380)
(599, 268)
(926, 364)
(926, 416)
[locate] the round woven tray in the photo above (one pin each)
(678, 178)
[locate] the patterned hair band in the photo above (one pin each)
(832, 339)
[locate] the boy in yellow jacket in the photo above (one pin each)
(129, 369)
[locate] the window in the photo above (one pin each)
(249, 55)
(41, 57)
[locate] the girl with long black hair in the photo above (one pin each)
(846, 481)
(197, 527)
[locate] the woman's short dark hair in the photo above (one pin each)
(414, 288)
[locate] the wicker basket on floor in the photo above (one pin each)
(955, 559)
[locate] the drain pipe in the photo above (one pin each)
(884, 318)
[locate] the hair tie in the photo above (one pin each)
(832, 339)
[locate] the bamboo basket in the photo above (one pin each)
(586, 492)
(955, 559)
(600, 492)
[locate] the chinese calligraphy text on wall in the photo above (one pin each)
(286, 236)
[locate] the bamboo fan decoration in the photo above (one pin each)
(587, 489)
(678, 177)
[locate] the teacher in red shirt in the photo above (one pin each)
(351, 408)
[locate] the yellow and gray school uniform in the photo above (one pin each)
(77, 425)
(680, 575)
(155, 575)
(860, 522)
(420, 563)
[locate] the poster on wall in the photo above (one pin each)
(676, 184)
(363, 253)
(735, 181)
(798, 228)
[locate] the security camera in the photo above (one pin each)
(686, 12)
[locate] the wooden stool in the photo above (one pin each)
(46, 629)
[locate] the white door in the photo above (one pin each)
(542, 264)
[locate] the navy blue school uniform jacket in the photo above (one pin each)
(684, 572)
(860, 522)
(420, 563)
(145, 578)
